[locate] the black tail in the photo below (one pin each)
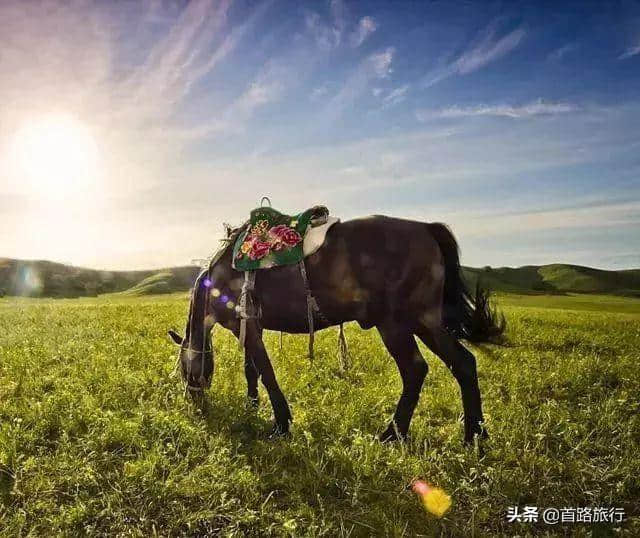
(464, 316)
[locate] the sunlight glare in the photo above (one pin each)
(56, 155)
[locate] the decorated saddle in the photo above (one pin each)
(271, 239)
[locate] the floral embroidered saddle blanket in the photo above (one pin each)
(271, 239)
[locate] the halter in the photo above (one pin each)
(191, 350)
(227, 242)
(201, 379)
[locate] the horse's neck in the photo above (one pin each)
(195, 332)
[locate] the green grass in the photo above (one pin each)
(97, 439)
(594, 303)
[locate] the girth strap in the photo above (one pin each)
(312, 306)
(248, 309)
(246, 303)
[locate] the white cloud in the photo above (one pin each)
(561, 52)
(632, 51)
(488, 49)
(365, 28)
(326, 37)
(381, 62)
(319, 92)
(590, 216)
(260, 93)
(536, 108)
(395, 96)
(373, 67)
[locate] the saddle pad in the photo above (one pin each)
(272, 239)
(314, 238)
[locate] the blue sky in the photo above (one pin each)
(516, 123)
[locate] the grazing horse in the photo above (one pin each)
(400, 276)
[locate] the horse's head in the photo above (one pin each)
(196, 363)
(196, 352)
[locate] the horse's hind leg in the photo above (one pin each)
(462, 364)
(413, 369)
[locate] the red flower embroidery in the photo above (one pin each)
(283, 236)
(259, 249)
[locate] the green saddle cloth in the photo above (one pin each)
(272, 239)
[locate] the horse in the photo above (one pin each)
(400, 276)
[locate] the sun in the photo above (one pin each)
(56, 155)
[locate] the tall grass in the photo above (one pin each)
(97, 439)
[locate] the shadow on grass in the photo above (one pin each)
(7, 480)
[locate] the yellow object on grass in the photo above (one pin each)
(434, 500)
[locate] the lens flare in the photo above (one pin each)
(29, 281)
(434, 500)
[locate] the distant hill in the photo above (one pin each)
(47, 279)
(556, 278)
(37, 278)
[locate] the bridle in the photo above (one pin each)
(228, 241)
(201, 380)
(197, 352)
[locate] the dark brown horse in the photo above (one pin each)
(400, 276)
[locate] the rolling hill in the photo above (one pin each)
(556, 278)
(48, 279)
(37, 278)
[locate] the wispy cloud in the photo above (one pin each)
(632, 51)
(381, 62)
(365, 28)
(598, 216)
(487, 49)
(326, 37)
(328, 34)
(395, 96)
(536, 108)
(373, 67)
(561, 52)
(319, 92)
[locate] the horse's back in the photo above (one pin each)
(377, 266)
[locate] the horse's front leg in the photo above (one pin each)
(254, 348)
(251, 373)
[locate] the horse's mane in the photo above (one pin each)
(227, 242)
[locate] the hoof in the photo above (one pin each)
(475, 430)
(390, 435)
(279, 431)
(252, 403)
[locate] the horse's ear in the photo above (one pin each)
(177, 339)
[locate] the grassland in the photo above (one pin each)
(97, 439)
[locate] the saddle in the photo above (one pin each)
(272, 239)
